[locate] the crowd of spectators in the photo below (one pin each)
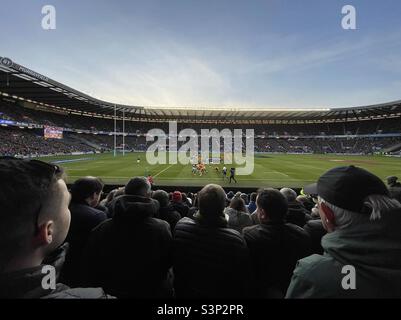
(28, 142)
(17, 141)
(137, 242)
(12, 111)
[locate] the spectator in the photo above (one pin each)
(238, 217)
(85, 194)
(108, 201)
(177, 204)
(244, 197)
(194, 207)
(166, 212)
(306, 201)
(297, 214)
(363, 225)
(130, 254)
(34, 221)
(275, 246)
(252, 203)
(316, 231)
(394, 187)
(210, 260)
(185, 200)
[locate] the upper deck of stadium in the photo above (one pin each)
(41, 92)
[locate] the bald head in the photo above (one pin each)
(212, 200)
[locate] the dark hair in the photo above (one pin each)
(253, 196)
(161, 196)
(211, 201)
(25, 185)
(85, 187)
(274, 203)
(237, 203)
(138, 186)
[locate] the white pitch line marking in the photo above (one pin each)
(162, 171)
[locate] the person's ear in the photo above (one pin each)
(45, 234)
(262, 214)
(328, 216)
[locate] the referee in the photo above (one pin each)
(232, 175)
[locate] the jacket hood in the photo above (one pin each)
(372, 246)
(134, 208)
(27, 283)
(214, 221)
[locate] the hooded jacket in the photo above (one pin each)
(130, 254)
(27, 283)
(372, 248)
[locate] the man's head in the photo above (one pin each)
(211, 201)
(392, 180)
(253, 196)
(237, 203)
(34, 215)
(138, 186)
(176, 197)
(272, 206)
(290, 194)
(162, 197)
(348, 195)
(87, 190)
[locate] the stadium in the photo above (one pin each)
(292, 147)
(200, 151)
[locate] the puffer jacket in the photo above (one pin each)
(372, 248)
(209, 260)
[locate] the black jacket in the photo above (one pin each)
(316, 232)
(210, 260)
(170, 215)
(27, 284)
(130, 254)
(180, 207)
(84, 219)
(297, 214)
(275, 249)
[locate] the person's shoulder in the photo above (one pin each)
(64, 292)
(186, 222)
(317, 268)
(251, 229)
(295, 228)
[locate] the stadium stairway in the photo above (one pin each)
(393, 148)
(87, 142)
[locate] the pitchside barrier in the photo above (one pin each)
(109, 187)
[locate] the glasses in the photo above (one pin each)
(51, 170)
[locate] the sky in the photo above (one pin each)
(212, 53)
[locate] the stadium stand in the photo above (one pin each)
(137, 243)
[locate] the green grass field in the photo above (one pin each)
(270, 170)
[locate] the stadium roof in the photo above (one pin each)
(19, 82)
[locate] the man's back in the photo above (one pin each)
(209, 261)
(275, 248)
(130, 254)
(83, 219)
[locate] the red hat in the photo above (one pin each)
(177, 196)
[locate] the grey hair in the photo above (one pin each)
(378, 204)
(290, 194)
